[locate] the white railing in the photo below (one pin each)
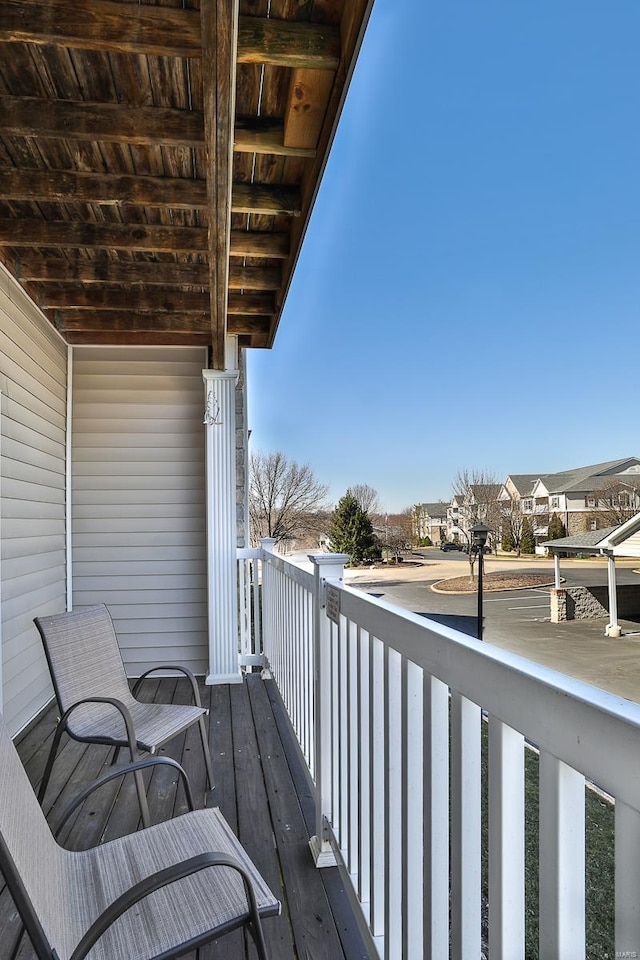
(389, 709)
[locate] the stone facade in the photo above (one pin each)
(592, 603)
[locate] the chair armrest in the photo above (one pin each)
(120, 707)
(121, 771)
(172, 666)
(156, 881)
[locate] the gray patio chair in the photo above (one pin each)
(95, 702)
(154, 894)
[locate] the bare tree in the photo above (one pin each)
(478, 491)
(367, 498)
(614, 503)
(286, 501)
(511, 518)
(399, 531)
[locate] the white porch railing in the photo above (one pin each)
(388, 708)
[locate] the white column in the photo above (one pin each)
(222, 564)
(556, 570)
(613, 627)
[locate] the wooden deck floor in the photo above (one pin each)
(259, 786)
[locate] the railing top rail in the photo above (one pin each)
(591, 730)
(249, 553)
(295, 572)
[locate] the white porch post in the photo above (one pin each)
(556, 570)
(328, 566)
(613, 627)
(222, 576)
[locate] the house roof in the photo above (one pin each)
(582, 478)
(580, 542)
(523, 482)
(435, 509)
(159, 161)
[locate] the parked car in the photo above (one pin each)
(452, 546)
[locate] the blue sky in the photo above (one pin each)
(468, 292)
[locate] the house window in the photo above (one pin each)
(527, 505)
(590, 501)
(593, 525)
(555, 503)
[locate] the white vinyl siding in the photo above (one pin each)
(138, 499)
(33, 376)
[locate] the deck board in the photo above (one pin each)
(260, 786)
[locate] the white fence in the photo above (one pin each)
(389, 709)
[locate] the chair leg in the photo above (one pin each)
(44, 783)
(114, 758)
(206, 751)
(258, 938)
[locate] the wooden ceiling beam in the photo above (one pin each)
(92, 321)
(163, 31)
(137, 301)
(72, 235)
(104, 122)
(241, 324)
(131, 273)
(123, 338)
(115, 322)
(67, 186)
(149, 301)
(122, 190)
(266, 135)
(140, 126)
(218, 24)
(288, 43)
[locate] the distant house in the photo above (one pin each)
(584, 498)
(430, 520)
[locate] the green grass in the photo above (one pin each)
(599, 819)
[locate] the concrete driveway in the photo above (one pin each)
(518, 620)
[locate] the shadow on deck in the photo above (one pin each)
(262, 790)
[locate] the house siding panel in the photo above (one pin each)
(138, 528)
(33, 383)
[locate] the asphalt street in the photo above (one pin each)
(519, 620)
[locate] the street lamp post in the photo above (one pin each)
(479, 534)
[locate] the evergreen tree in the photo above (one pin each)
(351, 531)
(527, 543)
(557, 528)
(507, 543)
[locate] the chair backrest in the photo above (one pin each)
(83, 655)
(30, 859)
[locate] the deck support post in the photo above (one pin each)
(222, 574)
(326, 566)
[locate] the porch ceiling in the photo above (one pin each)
(159, 160)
